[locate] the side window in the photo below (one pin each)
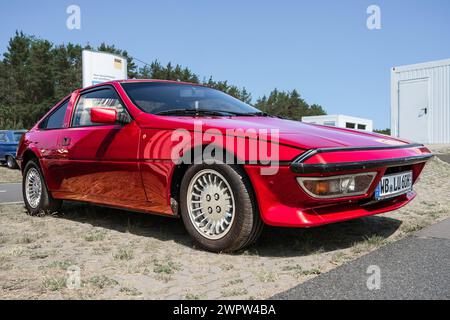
(3, 137)
(105, 98)
(56, 119)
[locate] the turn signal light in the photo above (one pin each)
(337, 186)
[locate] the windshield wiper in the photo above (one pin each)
(210, 112)
(196, 112)
(257, 114)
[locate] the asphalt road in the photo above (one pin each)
(417, 267)
(444, 157)
(11, 193)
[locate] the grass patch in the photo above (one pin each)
(96, 235)
(338, 257)
(235, 281)
(313, 271)
(17, 252)
(234, 292)
(15, 284)
(369, 243)
(298, 270)
(124, 254)
(26, 239)
(266, 276)
(226, 267)
(102, 282)
(38, 255)
(165, 267)
(191, 296)
(130, 291)
(54, 283)
(62, 265)
(375, 241)
(413, 226)
(101, 250)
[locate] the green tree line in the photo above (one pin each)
(35, 74)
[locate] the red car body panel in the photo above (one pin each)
(130, 166)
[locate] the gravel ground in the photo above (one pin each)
(439, 148)
(129, 255)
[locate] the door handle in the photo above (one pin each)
(66, 141)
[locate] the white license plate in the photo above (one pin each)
(393, 185)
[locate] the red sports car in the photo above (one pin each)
(226, 168)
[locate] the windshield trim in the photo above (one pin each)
(184, 84)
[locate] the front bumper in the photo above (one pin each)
(282, 202)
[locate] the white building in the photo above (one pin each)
(342, 121)
(420, 102)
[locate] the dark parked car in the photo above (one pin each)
(9, 140)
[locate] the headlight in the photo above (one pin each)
(337, 186)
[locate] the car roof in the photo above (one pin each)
(18, 130)
(141, 81)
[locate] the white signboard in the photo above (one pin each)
(101, 67)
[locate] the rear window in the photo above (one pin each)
(56, 119)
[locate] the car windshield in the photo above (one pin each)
(174, 98)
(3, 137)
(18, 135)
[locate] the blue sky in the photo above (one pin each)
(321, 48)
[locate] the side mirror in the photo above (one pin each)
(108, 116)
(103, 115)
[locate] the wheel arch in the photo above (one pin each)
(27, 156)
(180, 170)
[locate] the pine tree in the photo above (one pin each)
(35, 74)
(288, 104)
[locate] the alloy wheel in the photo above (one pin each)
(211, 204)
(33, 187)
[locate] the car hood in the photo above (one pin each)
(292, 133)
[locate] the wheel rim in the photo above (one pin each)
(10, 162)
(211, 204)
(33, 187)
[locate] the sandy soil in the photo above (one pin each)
(439, 148)
(8, 175)
(136, 256)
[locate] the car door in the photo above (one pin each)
(101, 163)
(45, 142)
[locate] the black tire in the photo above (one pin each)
(246, 225)
(11, 162)
(47, 204)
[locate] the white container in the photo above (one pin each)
(420, 102)
(341, 121)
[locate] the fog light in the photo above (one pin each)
(337, 186)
